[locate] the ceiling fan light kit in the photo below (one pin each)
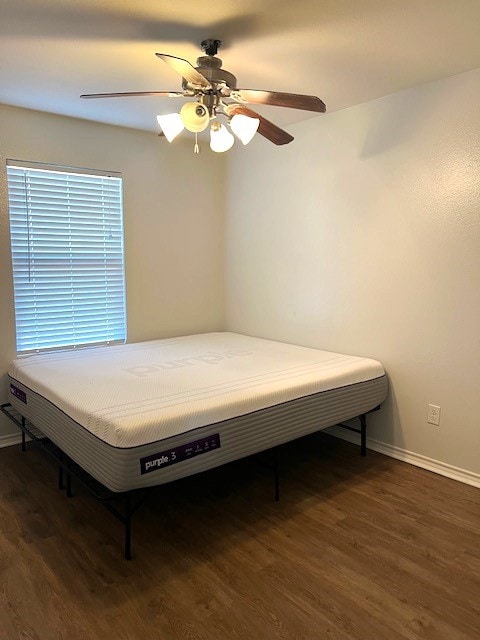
(214, 92)
(171, 125)
(220, 138)
(244, 127)
(194, 116)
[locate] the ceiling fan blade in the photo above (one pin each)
(129, 94)
(186, 70)
(278, 99)
(266, 128)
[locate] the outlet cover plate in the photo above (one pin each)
(433, 414)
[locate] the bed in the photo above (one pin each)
(138, 415)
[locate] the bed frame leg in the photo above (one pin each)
(363, 434)
(23, 435)
(277, 474)
(362, 431)
(69, 480)
(61, 486)
(128, 527)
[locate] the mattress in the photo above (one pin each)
(142, 414)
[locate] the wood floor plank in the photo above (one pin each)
(357, 549)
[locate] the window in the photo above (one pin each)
(67, 254)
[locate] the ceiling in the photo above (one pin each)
(344, 51)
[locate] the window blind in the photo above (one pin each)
(67, 253)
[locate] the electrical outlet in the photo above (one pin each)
(433, 414)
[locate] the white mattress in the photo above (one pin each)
(130, 395)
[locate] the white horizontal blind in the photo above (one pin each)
(67, 253)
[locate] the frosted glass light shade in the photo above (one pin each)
(244, 127)
(195, 117)
(220, 138)
(171, 125)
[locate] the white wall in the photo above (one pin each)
(363, 237)
(173, 218)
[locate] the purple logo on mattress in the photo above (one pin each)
(210, 358)
(177, 454)
(18, 393)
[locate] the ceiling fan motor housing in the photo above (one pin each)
(210, 68)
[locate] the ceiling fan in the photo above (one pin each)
(215, 93)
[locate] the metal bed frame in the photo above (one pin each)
(131, 499)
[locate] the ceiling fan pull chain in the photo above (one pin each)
(196, 148)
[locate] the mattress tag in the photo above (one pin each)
(18, 393)
(177, 454)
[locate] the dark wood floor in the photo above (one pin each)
(357, 548)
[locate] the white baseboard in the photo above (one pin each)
(443, 469)
(10, 439)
